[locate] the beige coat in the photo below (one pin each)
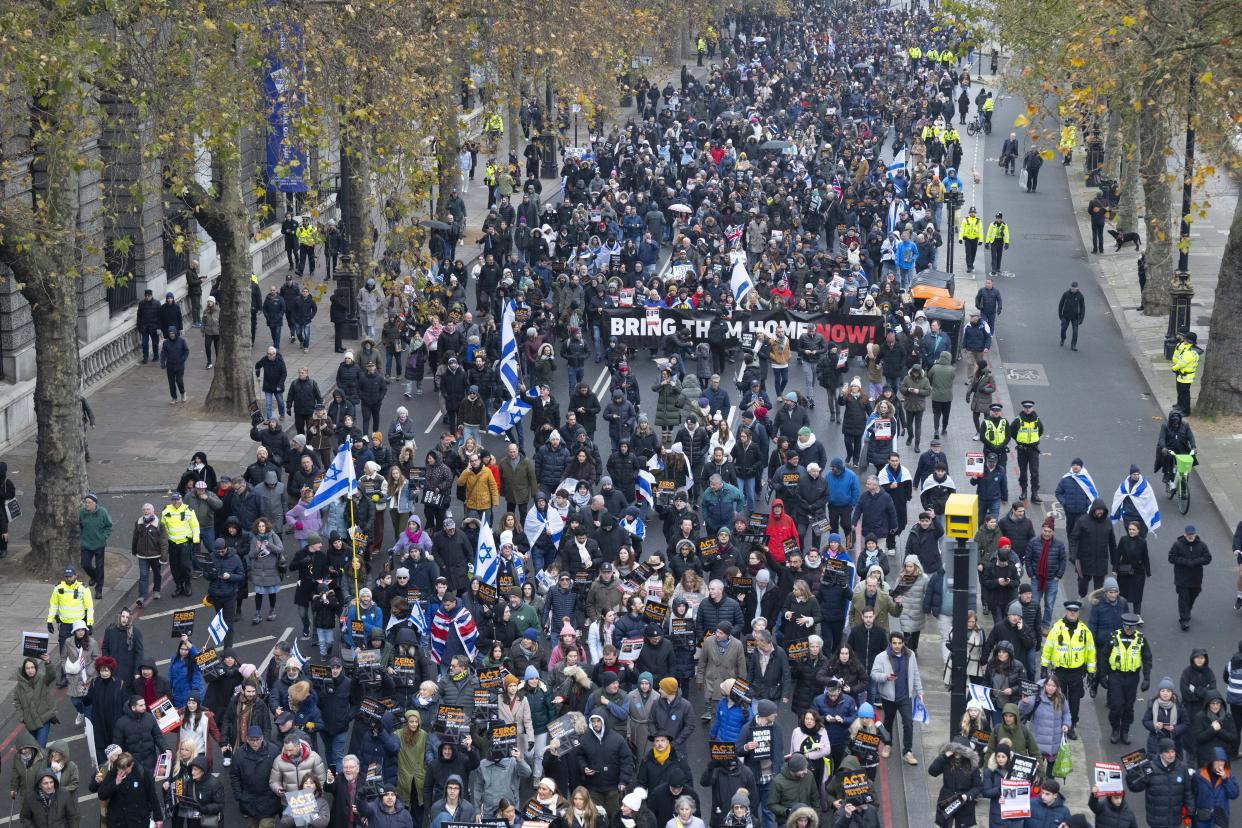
(714, 667)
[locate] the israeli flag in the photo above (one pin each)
(536, 523)
(740, 281)
(485, 562)
(644, 486)
(509, 415)
(919, 712)
(337, 480)
(981, 694)
(897, 164)
(508, 350)
(295, 652)
(218, 629)
(638, 529)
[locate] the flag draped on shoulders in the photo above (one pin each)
(462, 624)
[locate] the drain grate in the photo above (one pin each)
(1046, 237)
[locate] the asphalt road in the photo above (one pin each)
(1093, 403)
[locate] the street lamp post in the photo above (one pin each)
(953, 198)
(961, 519)
(1181, 291)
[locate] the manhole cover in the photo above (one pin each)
(1046, 236)
(1025, 374)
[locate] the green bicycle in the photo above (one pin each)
(1179, 487)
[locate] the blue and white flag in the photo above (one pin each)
(508, 349)
(485, 561)
(218, 629)
(509, 415)
(897, 164)
(338, 480)
(740, 282)
(296, 652)
(1084, 481)
(1143, 498)
(635, 527)
(918, 712)
(536, 523)
(982, 694)
(644, 486)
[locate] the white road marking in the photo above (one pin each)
(433, 422)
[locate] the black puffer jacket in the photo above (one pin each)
(1108, 815)
(610, 756)
(960, 777)
(133, 803)
(138, 734)
(248, 775)
(1167, 790)
(710, 614)
(1196, 681)
(1092, 545)
(348, 376)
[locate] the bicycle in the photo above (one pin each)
(973, 128)
(1179, 486)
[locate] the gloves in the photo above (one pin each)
(1146, 683)
(51, 627)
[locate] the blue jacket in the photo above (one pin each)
(877, 512)
(905, 254)
(373, 616)
(380, 746)
(174, 353)
(1056, 557)
(842, 489)
(1208, 795)
(975, 338)
(308, 717)
(185, 680)
(838, 732)
(1105, 619)
(728, 721)
(992, 485)
(1071, 497)
(718, 509)
(1043, 816)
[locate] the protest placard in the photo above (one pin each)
(34, 644)
(630, 648)
(798, 650)
(490, 678)
(722, 751)
(857, 788)
(741, 691)
(836, 572)
(503, 737)
(762, 737)
(1137, 765)
(681, 631)
(709, 549)
(453, 721)
(1015, 802)
(1022, 767)
(866, 747)
(209, 664)
(1109, 779)
(301, 805)
(566, 732)
(183, 623)
(655, 612)
(166, 715)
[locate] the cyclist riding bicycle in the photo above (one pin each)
(1175, 438)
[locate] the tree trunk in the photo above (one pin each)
(1153, 132)
(357, 179)
(61, 477)
(43, 258)
(1221, 393)
(225, 220)
(1127, 208)
(1114, 142)
(448, 171)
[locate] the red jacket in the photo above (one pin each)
(779, 529)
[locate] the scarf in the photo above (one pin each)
(1041, 571)
(1164, 711)
(1143, 499)
(662, 756)
(467, 633)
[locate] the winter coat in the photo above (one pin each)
(288, 774)
(1047, 816)
(185, 678)
(668, 404)
(61, 810)
(135, 802)
(1019, 735)
(787, 793)
(1196, 682)
(982, 387)
(1167, 790)
(1092, 545)
(248, 775)
(1205, 739)
(912, 616)
(610, 756)
(882, 666)
(377, 817)
(1151, 717)
(806, 685)
(915, 391)
(676, 718)
(1043, 721)
(1108, 815)
(960, 778)
(710, 614)
(32, 697)
(715, 667)
(992, 790)
(1189, 558)
(1213, 793)
(138, 734)
(940, 376)
(1105, 618)
(1056, 558)
(724, 781)
(550, 466)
